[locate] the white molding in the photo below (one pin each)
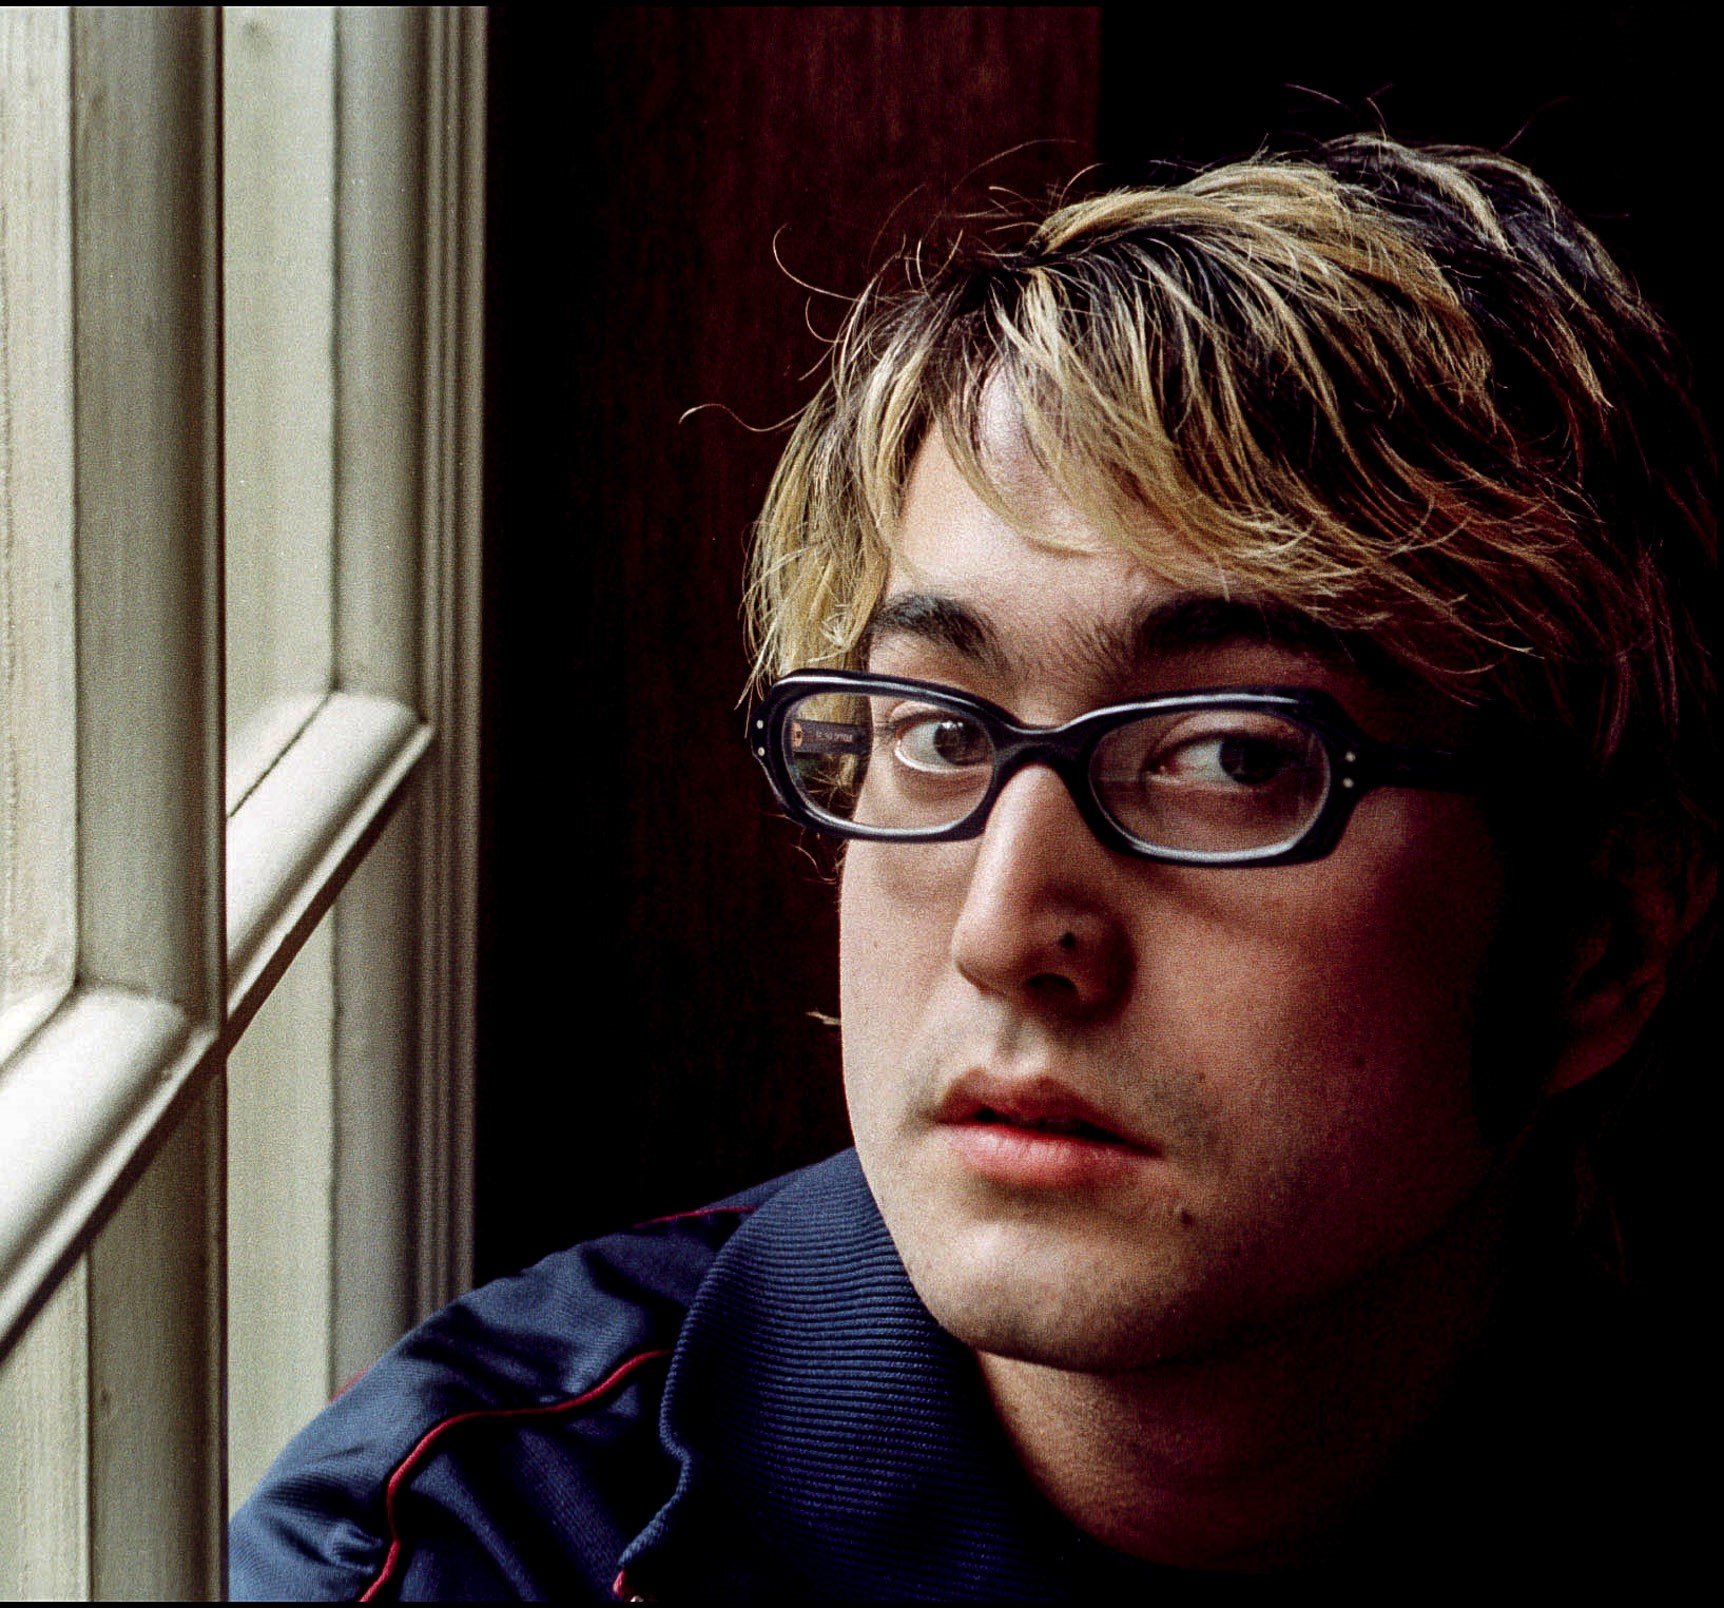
(380, 348)
(281, 1222)
(157, 1344)
(44, 1453)
(278, 308)
(147, 344)
(147, 389)
(38, 670)
(112, 1098)
(298, 833)
(374, 1220)
(301, 830)
(90, 1096)
(78, 1109)
(454, 359)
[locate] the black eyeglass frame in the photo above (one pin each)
(1358, 763)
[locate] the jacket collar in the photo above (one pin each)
(830, 1436)
(831, 1440)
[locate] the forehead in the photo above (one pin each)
(949, 537)
(1044, 596)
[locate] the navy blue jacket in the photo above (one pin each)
(751, 1402)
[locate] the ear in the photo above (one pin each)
(1621, 962)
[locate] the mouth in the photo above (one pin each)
(1075, 1127)
(1036, 1134)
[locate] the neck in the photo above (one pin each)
(1250, 1457)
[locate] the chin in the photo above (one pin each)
(1056, 1307)
(1081, 1337)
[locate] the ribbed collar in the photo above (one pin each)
(831, 1437)
(832, 1441)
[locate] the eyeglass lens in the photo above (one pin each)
(1206, 780)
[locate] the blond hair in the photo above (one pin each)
(1403, 390)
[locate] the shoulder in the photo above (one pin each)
(536, 1397)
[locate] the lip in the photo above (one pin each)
(1035, 1133)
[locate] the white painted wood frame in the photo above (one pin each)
(113, 1130)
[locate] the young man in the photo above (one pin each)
(1250, 640)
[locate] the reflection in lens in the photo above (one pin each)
(826, 746)
(1212, 781)
(887, 760)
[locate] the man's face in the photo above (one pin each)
(1115, 1110)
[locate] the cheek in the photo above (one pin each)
(894, 931)
(896, 909)
(1334, 1008)
(1414, 915)
(1390, 933)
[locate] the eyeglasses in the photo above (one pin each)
(1234, 776)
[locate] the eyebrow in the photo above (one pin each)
(942, 622)
(1196, 619)
(1184, 621)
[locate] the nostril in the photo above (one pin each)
(1051, 983)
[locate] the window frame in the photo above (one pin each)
(112, 1111)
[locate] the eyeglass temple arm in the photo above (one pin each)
(1435, 768)
(829, 737)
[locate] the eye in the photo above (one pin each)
(1225, 782)
(1216, 754)
(935, 740)
(1245, 759)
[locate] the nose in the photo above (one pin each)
(1043, 919)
